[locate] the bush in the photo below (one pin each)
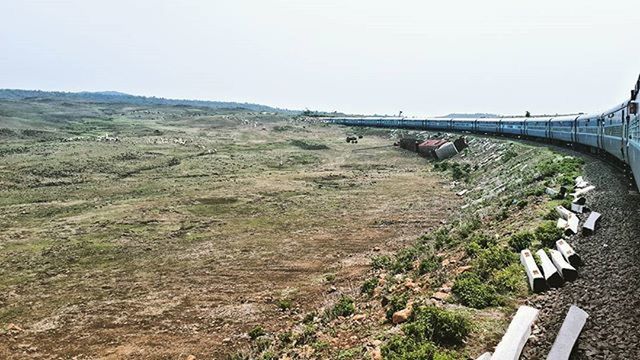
(307, 335)
(510, 280)
(548, 233)
(369, 286)
(477, 242)
(520, 241)
(308, 145)
(429, 264)
(474, 292)
(344, 307)
(284, 304)
(405, 348)
(442, 238)
(442, 327)
(395, 303)
(405, 258)
(491, 259)
(256, 332)
(285, 337)
(567, 168)
(381, 262)
(508, 155)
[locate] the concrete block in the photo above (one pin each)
(591, 222)
(549, 270)
(568, 272)
(567, 252)
(536, 280)
(568, 334)
(517, 334)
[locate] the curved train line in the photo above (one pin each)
(615, 131)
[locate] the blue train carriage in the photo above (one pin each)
(587, 130)
(412, 124)
(537, 127)
(439, 124)
(464, 125)
(633, 134)
(612, 131)
(513, 126)
(488, 125)
(562, 128)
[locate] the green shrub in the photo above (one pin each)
(395, 302)
(405, 258)
(442, 238)
(477, 242)
(508, 155)
(369, 286)
(510, 280)
(381, 262)
(429, 264)
(491, 259)
(442, 327)
(344, 307)
(405, 348)
(285, 337)
(520, 241)
(566, 168)
(307, 335)
(349, 354)
(305, 145)
(503, 214)
(256, 332)
(284, 304)
(474, 292)
(548, 233)
(269, 355)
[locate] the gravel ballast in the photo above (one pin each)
(608, 286)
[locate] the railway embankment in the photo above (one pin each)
(608, 287)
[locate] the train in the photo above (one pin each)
(615, 131)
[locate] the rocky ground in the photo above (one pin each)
(608, 288)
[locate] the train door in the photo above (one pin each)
(599, 132)
(623, 136)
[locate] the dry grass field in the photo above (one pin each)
(190, 229)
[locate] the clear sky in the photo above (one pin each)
(358, 56)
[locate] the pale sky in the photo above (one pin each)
(355, 56)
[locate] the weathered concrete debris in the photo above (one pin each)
(446, 151)
(569, 254)
(562, 224)
(568, 272)
(583, 191)
(536, 280)
(568, 334)
(462, 192)
(581, 183)
(591, 222)
(572, 219)
(551, 192)
(579, 209)
(517, 334)
(549, 270)
(579, 200)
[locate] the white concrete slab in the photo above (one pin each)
(518, 332)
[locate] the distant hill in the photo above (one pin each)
(475, 115)
(112, 97)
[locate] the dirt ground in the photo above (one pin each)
(191, 229)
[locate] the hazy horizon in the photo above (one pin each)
(356, 56)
